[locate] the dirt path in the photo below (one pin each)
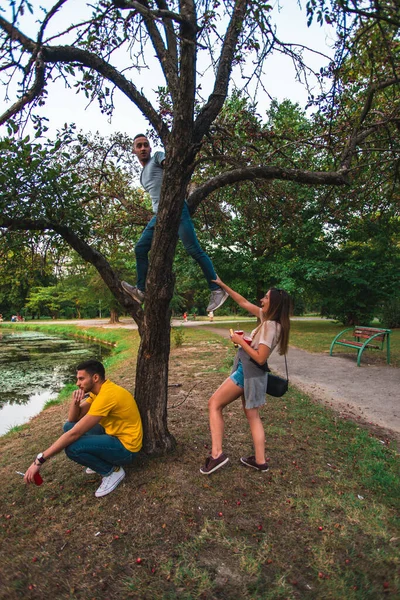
(369, 393)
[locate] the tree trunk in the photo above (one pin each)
(114, 317)
(151, 390)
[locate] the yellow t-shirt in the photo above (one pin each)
(120, 414)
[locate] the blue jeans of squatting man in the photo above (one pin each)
(97, 450)
(189, 239)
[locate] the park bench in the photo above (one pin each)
(364, 337)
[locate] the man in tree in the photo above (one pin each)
(103, 432)
(151, 179)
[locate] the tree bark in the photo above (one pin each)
(151, 390)
(114, 317)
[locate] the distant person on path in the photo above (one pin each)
(249, 375)
(151, 180)
(103, 432)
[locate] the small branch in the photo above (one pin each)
(356, 136)
(30, 95)
(49, 15)
(184, 400)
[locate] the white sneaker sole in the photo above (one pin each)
(101, 493)
(221, 464)
(246, 464)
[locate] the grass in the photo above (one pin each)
(323, 523)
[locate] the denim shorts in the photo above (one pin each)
(238, 375)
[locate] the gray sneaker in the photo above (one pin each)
(133, 291)
(217, 299)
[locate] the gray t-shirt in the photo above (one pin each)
(151, 178)
(267, 333)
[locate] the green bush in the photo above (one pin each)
(179, 336)
(390, 313)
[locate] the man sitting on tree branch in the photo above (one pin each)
(151, 180)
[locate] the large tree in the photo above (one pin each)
(186, 37)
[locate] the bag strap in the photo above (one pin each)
(287, 372)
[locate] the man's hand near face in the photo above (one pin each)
(78, 407)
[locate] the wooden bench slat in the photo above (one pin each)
(358, 344)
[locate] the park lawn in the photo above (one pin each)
(316, 335)
(323, 523)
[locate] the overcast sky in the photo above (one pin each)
(65, 106)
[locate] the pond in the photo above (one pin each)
(34, 366)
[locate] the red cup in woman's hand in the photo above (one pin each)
(239, 332)
(247, 339)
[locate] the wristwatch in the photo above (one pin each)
(40, 458)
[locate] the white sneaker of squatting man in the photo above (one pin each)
(110, 482)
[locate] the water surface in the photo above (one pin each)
(34, 366)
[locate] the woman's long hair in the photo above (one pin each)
(279, 311)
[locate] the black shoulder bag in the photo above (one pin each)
(278, 386)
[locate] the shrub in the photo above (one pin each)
(390, 313)
(179, 336)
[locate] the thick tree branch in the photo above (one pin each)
(69, 54)
(217, 98)
(142, 8)
(88, 253)
(16, 35)
(167, 59)
(169, 33)
(187, 71)
(264, 173)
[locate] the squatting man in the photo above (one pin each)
(103, 431)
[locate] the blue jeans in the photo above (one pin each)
(189, 239)
(97, 450)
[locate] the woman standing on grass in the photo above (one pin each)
(249, 375)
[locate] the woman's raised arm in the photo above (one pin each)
(241, 300)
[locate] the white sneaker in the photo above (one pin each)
(90, 471)
(110, 482)
(133, 291)
(217, 299)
